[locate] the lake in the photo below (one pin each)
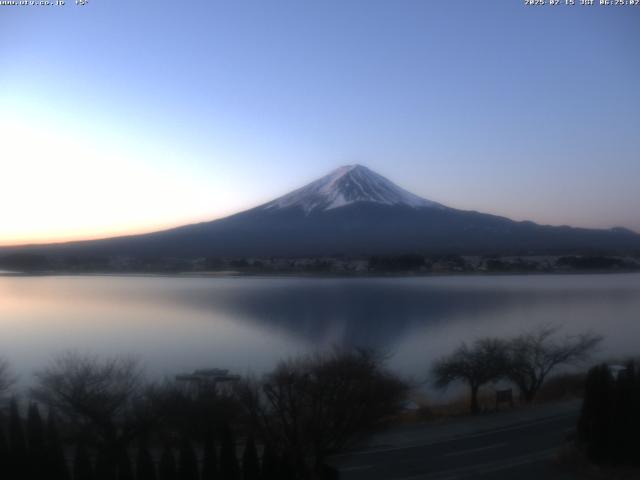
(247, 324)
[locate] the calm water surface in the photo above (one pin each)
(249, 323)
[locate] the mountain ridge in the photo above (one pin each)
(350, 211)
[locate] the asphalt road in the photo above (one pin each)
(520, 451)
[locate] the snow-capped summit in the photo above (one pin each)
(347, 185)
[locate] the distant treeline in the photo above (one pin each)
(337, 264)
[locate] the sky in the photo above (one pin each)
(121, 117)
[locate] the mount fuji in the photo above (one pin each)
(351, 211)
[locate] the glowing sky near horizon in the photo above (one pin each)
(122, 117)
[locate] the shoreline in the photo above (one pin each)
(333, 275)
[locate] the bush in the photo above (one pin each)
(561, 387)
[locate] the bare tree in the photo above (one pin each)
(92, 393)
(315, 405)
(173, 407)
(482, 362)
(6, 377)
(533, 355)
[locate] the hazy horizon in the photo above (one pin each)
(122, 118)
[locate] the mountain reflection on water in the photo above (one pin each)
(249, 323)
